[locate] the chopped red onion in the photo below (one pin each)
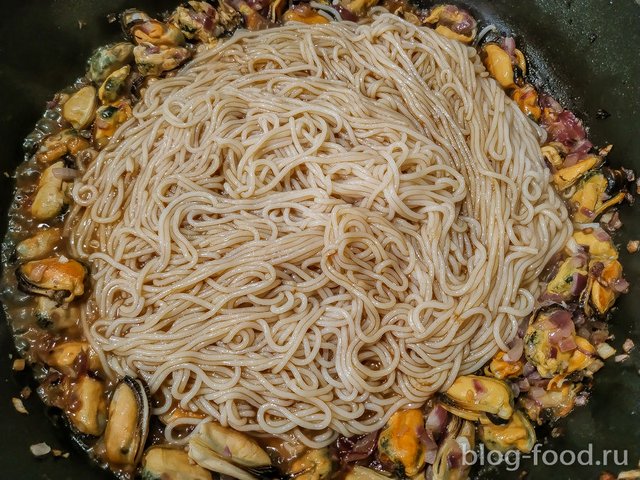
(478, 387)
(529, 370)
(365, 443)
(226, 452)
(359, 447)
(601, 235)
(620, 285)
(572, 159)
(561, 319)
(466, 25)
(523, 385)
(548, 298)
(567, 344)
(346, 14)
(567, 129)
(515, 352)
(437, 420)
(431, 447)
(587, 212)
(38, 272)
(509, 45)
(581, 399)
(547, 101)
(582, 147)
(596, 269)
(430, 455)
(578, 284)
(454, 459)
(537, 392)
(64, 173)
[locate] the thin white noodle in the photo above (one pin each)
(311, 227)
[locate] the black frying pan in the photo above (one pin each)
(586, 52)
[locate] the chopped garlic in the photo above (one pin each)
(19, 406)
(605, 350)
(628, 345)
(40, 449)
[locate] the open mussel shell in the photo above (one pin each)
(59, 280)
(229, 452)
(166, 463)
(481, 394)
(450, 462)
(128, 423)
(131, 17)
(518, 434)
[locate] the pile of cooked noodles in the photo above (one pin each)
(311, 227)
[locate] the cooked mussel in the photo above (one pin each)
(178, 413)
(80, 109)
(568, 176)
(50, 197)
(108, 59)
(518, 434)
(554, 153)
(400, 448)
(198, 21)
(108, 119)
(56, 146)
(607, 285)
(363, 473)
(499, 65)
(481, 394)
(58, 278)
(314, 464)
(253, 20)
(131, 17)
(114, 86)
(472, 416)
(597, 242)
(570, 280)
(167, 463)
(127, 424)
(157, 33)
(550, 404)
(452, 22)
(65, 357)
(596, 192)
(583, 356)
(359, 7)
(450, 462)
(226, 451)
(156, 59)
(89, 411)
(527, 99)
(50, 314)
(550, 341)
(303, 13)
(228, 17)
(501, 368)
(39, 245)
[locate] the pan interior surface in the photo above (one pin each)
(584, 52)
